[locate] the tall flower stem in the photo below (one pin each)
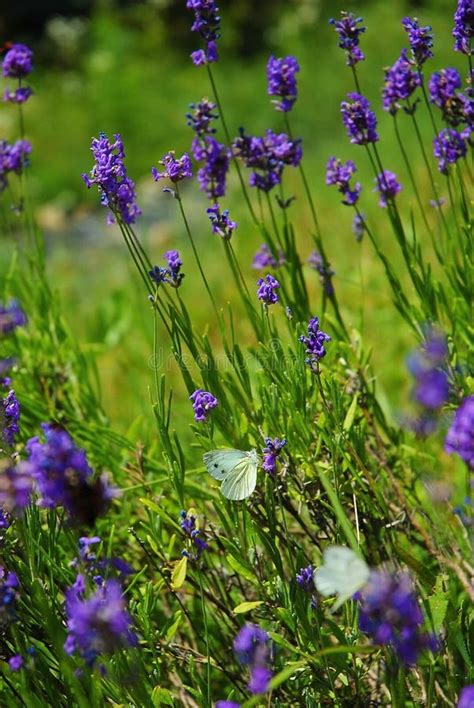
(196, 255)
(229, 141)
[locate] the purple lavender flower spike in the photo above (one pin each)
(213, 174)
(252, 647)
(260, 677)
(326, 273)
(358, 227)
(175, 169)
(19, 95)
(264, 258)
(99, 624)
(463, 31)
(11, 317)
(420, 38)
(360, 121)
(16, 662)
(222, 225)
(203, 403)
(387, 186)
(281, 78)
(207, 25)
(349, 32)
(201, 117)
(267, 157)
(116, 189)
(16, 485)
(271, 453)
(305, 579)
(267, 290)
(466, 697)
(10, 417)
(390, 614)
(188, 524)
(443, 87)
(18, 62)
(315, 342)
(8, 596)
(340, 174)
(400, 83)
(460, 437)
(13, 158)
(448, 147)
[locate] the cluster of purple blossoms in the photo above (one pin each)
(443, 87)
(267, 290)
(16, 662)
(64, 478)
(281, 77)
(326, 273)
(13, 159)
(117, 191)
(466, 697)
(388, 186)
(213, 174)
(463, 31)
(8, 596)
(349, 32)
(94, 567)
(17, 64)
(314, 342)
(460, 437)
(207, 24)
(420, 38)
(232, 704)
(172, 274)
(271, 453)
(448, 147)
(99, 624)
(10, 417)
(201, 117)
(188, 524)
(15, 488)
(305, 579)
(340, 175)
(400, 83)
(175, 169)
(427, 365)
(360, 121)
(267, 156)
(389, 612)
(252, 647)
(203, 403)
(221, 224)
(264, 258)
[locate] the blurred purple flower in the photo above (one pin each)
(20, 95)
(8, 596)
(460, 437)
(316, 261)
(271, 452)
(387, 186)
(17, 62)
(264, 258)
(390, 614)
(16, 662)
(448, 147)
(260, 677)
(358, 227)
(99, 624)
(466, 697)
(212, 175)
(267, 156)
(221, 224)
(16, 485)
(13, 158)
(10, 417)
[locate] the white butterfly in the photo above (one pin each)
(343, 573)
(236, 469)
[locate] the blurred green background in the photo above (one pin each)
(124, 67)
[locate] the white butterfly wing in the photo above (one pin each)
(240, 482)
(220, 462)
(343, 573)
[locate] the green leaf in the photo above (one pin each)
(350, 415)
(178, 576)
(247, 607)
(241, 569)
(171, 631)
(438, 603)
(161, 697)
